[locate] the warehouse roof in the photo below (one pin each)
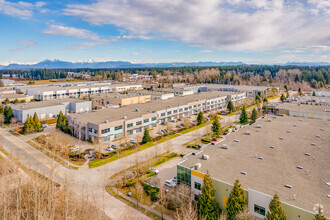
(110, 114)
(314, 109)
(292, 138)
(42, 104)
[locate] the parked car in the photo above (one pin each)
(199, 145)
(109, 149)
(114, 147)
(74, 148)
(170, 183)
(214, 139)
(44, 125)
(225, 133)
(90, 150)
(154, 170)
(133, 141)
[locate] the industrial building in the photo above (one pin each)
(110, 124)
(116, 100)
(12, 97)
(176, 92)
(59, 92)
(154, 94)
(278, 154)
(50, 109)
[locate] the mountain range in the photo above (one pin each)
(59, 64)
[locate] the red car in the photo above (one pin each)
(214, 139)
(225, 133)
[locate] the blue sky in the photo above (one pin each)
(140, 31)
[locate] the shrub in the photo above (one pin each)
(151, 191)
(171, 155)
(206, 140)
(159, 161)
(150, 173)
(130, 183)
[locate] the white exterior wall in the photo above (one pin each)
(260, 199)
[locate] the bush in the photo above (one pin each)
(130, 183)
(159, 161)
(182, 155)
(49, 121)
(150, 173)
(151, 191)
(72, 155)
(206, 140)
(171, 155)
(109, 154)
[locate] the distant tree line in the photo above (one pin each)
(316, 76)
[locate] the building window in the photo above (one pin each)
(196, 197)
(154, 119)
(260, 210)
(198, 186)
(175, 111)
(129, 132)
(138, 122)
(118, 127)
(130, 125)
(105, 130)
(162, 115)
(146, 120)
(169, 112)
(186, 108)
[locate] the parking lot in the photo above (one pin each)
(167, 171)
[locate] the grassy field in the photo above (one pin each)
(194, 128)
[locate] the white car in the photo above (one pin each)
(74, 148)
(109, 149)
(154, 170)
(44, 125)
(133, 141)
(170, 183)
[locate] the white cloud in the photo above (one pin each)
(240, 25)
(206, 51)
(20, 9)
(70, 31)
(86, 45)
(27, 43)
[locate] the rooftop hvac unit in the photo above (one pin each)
(258, 126)
(281, 138)
(307, 154)
(288, 186)
(322, 129)
(318, 136)
(205, 157)
(328, 184)
(124, 117)
(272, 147)
(198, 166)
(288, 132)
(137, 109)
(313, 144)
(269, 120)
(299, 167)
(224, 147)
(106, 121)
(243, 173)
(294, 125)
(236, 140)
(260, 158)
(248, 133)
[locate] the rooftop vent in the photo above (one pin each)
(136, 109)
(299, 167)
(224, 147)
(124, 117)
(288, 186)
(281, 138)
(193, 153)
(294, 125)
(197, 166)
(300, 119)
(328, 196)
(269, 120)
(318, 136)
(322, 129)
(288, 132)
(313, 144)
(328, 184)
(205, 157)
(243, 173)
(272, 147)
(236, 140)
(258, 126)
(307, 154)
(248, 133)
(260, 158)
(106, 121)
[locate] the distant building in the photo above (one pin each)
(50, 109)
(12, 97)
(120, 100)
(176, 92)
(154, 94)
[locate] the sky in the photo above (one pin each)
(144, 31)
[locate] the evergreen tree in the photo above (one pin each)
(243, 119)
(146, 136)
(299, 91)
(314, 94)
(254, 115)
(60, 121)
(282, 97)
(36, 122)
(276, 212)
(236, 201)
(200, 118)
(265, 100)
(319, 215)
(258, 98)
(6, 102)
(1, 109)
(9, 114)
(28, 125)
(230, 106)
(207, 207)
(16, 101)
(216, 127)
